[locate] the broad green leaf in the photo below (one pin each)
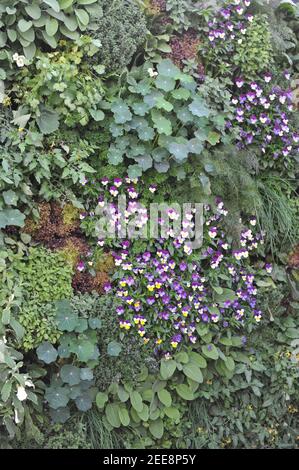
(82, 16)
(48, 121)
(10, 197)
(24, 25)
(172, 413)
(192, 371)
(136, 401)
(165, 83)
(167, 368)
(112, 415)
(11, 217)
(34, 11)
(51, 26)
(210, 351)
(156, 428)
(185, 392)
(60, 415)
(165, 397)
(84, 402)
(53, 4)
(124, 416)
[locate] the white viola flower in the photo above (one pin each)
(151, 72)
(29, 383)
(21, 393)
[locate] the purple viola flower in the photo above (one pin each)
(183, 266)
(225, 12)
(80, 266)
(150, 300)
(287, 75)
(268, 77)
(107, 287)
(239, 82)
(250, 96)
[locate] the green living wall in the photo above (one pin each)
(149, 342)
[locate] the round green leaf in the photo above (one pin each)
(46, 352)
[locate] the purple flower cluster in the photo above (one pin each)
(262, 111)
(233, 23)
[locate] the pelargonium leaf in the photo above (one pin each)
(146, 133)
(140, 108)
(95, 323)
(179, 151)
(134, 171)
(121, 111)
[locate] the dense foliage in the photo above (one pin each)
(112, 336)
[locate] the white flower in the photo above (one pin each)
(151, 72)
(20, 61)
(17, 419)
(15, 56)
(21, 393)
(29, 383)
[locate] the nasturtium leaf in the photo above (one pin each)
(162, 124)
(143, 87)
(165, 83)
(11, 217)
(84, 350)
(60, 415)
(213, 138)
(165, 397)
(146, 133)
(179, 151)
(192, 371)
(75, 391)
(86, 373)
(63, 351)
(134, 171)
(163, 104)
(101, 400)
(162, 167)
(97, 114)
(70, 374)
(114, 348)
(136, 401)
(152, 98)
(166, 68)
(210, 351)
(82, 325)
(48, 120)
(95, 323)
(124, 416)
(66, 320)
(181, 94)
(57, 397)
(185, 392)
(156, 428)
(84, 402)
(10, 197)
(198, 107)
(140, 108)
(112, 414)
(167, 368)
(121, 111)
(184, 115)
(195, 146)
(115, 155)
(145, 162)
(46, 352)
(160, 154)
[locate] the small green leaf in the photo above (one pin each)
(101, 400)
(193, 372)
(124, 416)
(210, 351)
